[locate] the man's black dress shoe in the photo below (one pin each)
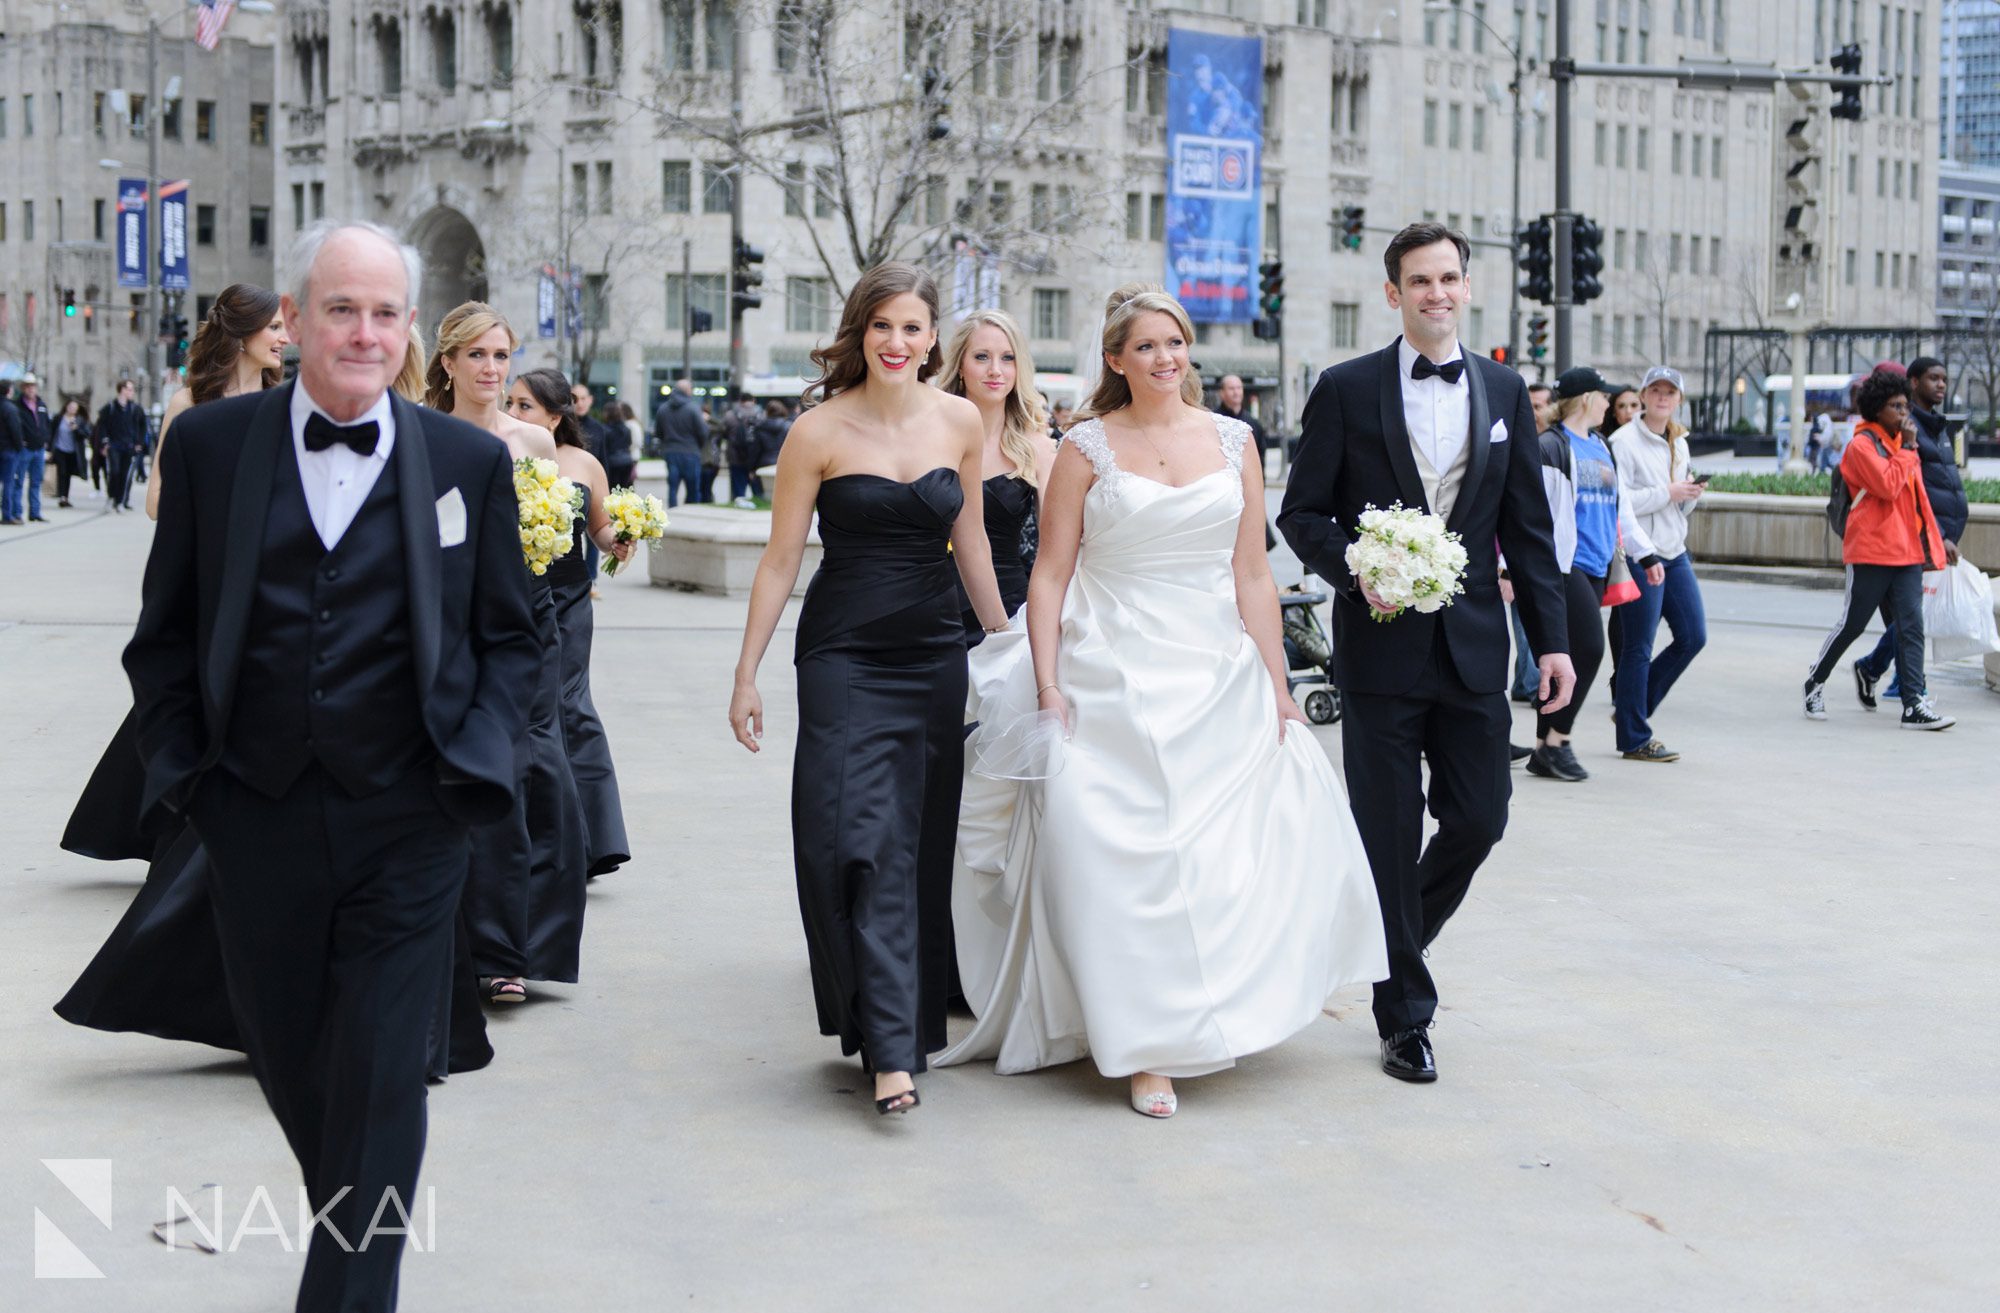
(1406, 1055)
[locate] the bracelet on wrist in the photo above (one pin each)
(1043, 689)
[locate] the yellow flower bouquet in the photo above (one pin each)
(637, 518)
(549, 506)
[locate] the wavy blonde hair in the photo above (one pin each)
(1024, 431)
(409, 384)
(465, 325)
(1121, 310)
(840, 363)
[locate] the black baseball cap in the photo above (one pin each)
(1578, 380)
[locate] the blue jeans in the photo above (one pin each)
(29, 467)
(743, 482)
(1527, 675)
(683, 468)
(10, 485)
(1643, 678)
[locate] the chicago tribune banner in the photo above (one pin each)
(1215, 211)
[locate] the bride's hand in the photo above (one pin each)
(746, 715)
(1052, 699)
(1288, 710)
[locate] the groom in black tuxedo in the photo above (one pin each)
(330, 672)
(1423, 423)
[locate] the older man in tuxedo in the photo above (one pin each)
(329, 675)
(1422, 423)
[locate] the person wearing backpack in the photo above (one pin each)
(1888, 538)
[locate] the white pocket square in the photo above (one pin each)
(451, 519)
(1499, 433)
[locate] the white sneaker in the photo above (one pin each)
(745, 504)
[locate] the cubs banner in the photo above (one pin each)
(1215, 209)
(131, 232)
(173, 235)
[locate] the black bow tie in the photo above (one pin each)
(322, 433)
(1450, 371)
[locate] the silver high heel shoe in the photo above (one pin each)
(1160, 1105)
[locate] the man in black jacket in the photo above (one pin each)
(37, 433)
(681, 431)
(122, 425)
(331, 668)
(1929, 386)
(1423, 423)
(11, 426)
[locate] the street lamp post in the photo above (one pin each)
(1514, 224)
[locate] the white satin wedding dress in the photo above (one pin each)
(1185, 890)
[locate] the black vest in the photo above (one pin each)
(327, 674)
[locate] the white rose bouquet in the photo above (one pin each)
(1407, 558)
(549, 506)
(637, 518)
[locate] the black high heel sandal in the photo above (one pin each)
(891, 1104)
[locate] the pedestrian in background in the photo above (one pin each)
(1582, 487)
(239, 348)
(681, 431)
(11, 425)
(1526, 677)
(1623, 410)
(1656, 496)
(38, 431)
(740, 447)
(623, 465)
(1891, 538)
(772, 430)
(1929, 385)
(72, 438)
(123, 428)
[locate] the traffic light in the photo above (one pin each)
(1531, 256)
(177, 340)
(1847, 60)
(1269, 327)
(700, 320)
(937, 105)
(1802, 183)
(1352, 220)
(744, 277)
(69, 302)
(1538, 338)
(1500, 354)
(1586, 261)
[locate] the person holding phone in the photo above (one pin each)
(1659, 494)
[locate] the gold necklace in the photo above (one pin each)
(1154, 445)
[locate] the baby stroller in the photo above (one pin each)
(1308, 655)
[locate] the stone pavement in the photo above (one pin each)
(1715, 1037)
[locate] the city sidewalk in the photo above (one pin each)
(1713, 1039)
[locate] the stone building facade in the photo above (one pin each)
(73, 121)
(498, 134)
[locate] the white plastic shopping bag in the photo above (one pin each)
(1958, 612)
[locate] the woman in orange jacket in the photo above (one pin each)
(1891, 539)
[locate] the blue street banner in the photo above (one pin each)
(1215, 208)
(131, 232)
(173, 235)
(545, 303)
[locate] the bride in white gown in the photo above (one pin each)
(1188, 886)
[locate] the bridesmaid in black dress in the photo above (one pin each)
(542, 397)
(525, 888)
(894, 469)
(988, 363)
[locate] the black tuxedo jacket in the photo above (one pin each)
(472, 632)
(1354, 451)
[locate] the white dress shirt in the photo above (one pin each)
(1438, 415)
(339, 479)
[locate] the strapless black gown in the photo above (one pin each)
(525, 892)
(583, 733)
(1005, 503)
(160, 971)
(876, 777)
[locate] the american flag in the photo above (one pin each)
(208, 24)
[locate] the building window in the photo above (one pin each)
(204, 225)
(204, 120)
(1623, 157)
(260, 225)
(579, 189)
(1694, 255)
(298, 205)
(28, 130)
(1041, 215)
(934, 200)
(170, 120)
(3, 221)
(808, 305)
(1051, 313)
(1715, 158)
(826, 191)
(318, 201)
(1699, 144)
(676, 186)
(500, 44)
(596, 301)
(260, 125)
(1674, 254)
(1156, 217)
(1601, 146)
(1430, 118)
(677, 34)
(1881, 178)
(719, 34)
(791, 34)
(389, 56)
(1898, 175)
(97, 212)
(710, 293)
(715, 187)
(1853, 174)
(1135, 216)
(1346, 326)
(1896, 271)
(444, 51)
(1881, 268)
(1479, 128)
(604, 189)
(1714, 257)
(1643, 150)
(1674, 155)
(794, 188)
(1454, 120)
(28, 226)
